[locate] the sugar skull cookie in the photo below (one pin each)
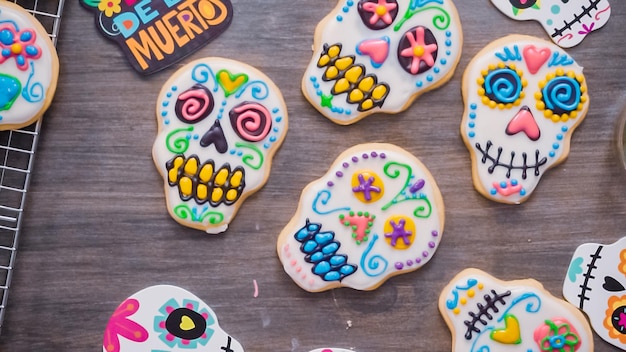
(168, 319)
(596, 283)
(29, 68)
(331, 350)
(567, 22)
(523, 97)
(487, 314)
(379, 55)
(220, 123)
(376, 213)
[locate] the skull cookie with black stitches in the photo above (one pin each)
(523, 99)
(375, 56)
(567, 22)
(220, 123)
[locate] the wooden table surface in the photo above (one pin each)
(96, 229)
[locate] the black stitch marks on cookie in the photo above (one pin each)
(483, 312)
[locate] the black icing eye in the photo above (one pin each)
(194, 104)
(417, 50)
(501, 86)
(378, 14)
(185, 324)
(565, 1)
(524, 4)
(617, 319)
(561, 96)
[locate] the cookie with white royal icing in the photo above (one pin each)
(220, 123)
(523, 97)
(567, 22)
(376, 213)
(487, 314)
(165, 318)
(596, 284)
(375, 56)
(29, 68)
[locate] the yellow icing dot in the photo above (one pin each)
(571, 74)
(366, 84)
(323, 61)
(379, 92)
(344, 63)
(555, 118)
(202, 192)
(501, 65)
(334, 51)
(191, 166)
(480, 285)
(485, 100)
(470, 293)
(356, 95)
(206, 172)
(501, 106)
(522, 95)
(354, 74)
(463, 300)
(492, 104)
(221, 177)
(16, 48)
(418, 50)
(235, 179)
(341, 86)
(457, 310)
(381, 10)
(541, 105)
(583, 99)
(185, 185)
(231, 195)
(560, 72)
(217, 194)
(548, 113)
(367, 104)
(331, 72)
(580, 78)
(573, 114)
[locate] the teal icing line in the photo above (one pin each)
(201, 74)
(374, 261)
(259, 90)
(324, 201)
(530, 306)
(33, 93)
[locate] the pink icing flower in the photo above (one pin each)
(120, 325)
(557, 335)
(587, 29)
(380, 11)
(419, 50)
(19, 45)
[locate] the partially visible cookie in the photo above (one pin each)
(523, 97)
(567, 22)
(29, 68)
(220, 122)
(373, 56)
(376, 213)
(332, 350)
(596, 284)
(487, 314)
(165, 318)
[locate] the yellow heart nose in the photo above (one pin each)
(186, 323)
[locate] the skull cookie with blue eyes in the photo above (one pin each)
(567, 22)
(220, 122)
(523, 99)
(596, 283)
(165, 318)
(375, 56)
(486, 314)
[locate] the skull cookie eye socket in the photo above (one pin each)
(378, 14)
(417, 50)
(561, 95)
(617, 319)
(501, 86)
(194, 105)
(523, 4)
(186, 324)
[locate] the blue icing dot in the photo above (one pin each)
(266, 145)
(473, 106)
(300, 235)
(350, 2)
(471, 134)
(6, 52)
(436, 70)
(493, 191)
(448, 42)
(164, 113)
(419, 83)
(555, 9)
(317, 256)
(239, 153)
(6, 37)
(275, 110)
(503, 184)
(278, 119)
(549, 22)
(555, 146)
(167, 122)
(448, 33)
(32, 51)
(564, 128)
(330, 248)
(273, 139)
(552, 154)
(195, 136)
(339, 18)
(224, 104)
(443, 61)
(429, 78)
(522, 192)
(514, 182)
(313, 78)
(169, 94)
(472, 115)
(188, 136)
(472, 125)
(174, 88)
(166, 103)
(345, 9)
(448, 52)
(324, 237)
(337, 260)
(559, 137)
(232, 152)
(309, 246)
(347, 269)
(321, 268)
(332, 276)
(20, 60)
(26, 36)
(276, 129)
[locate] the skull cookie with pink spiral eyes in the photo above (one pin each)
(523, 99)
(567, 22)
(220, 123)
(165, 318)
(375, 56)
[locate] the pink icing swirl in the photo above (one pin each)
(194, 104)
(251, 121)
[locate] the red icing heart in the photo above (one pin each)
(376, 49)
(524, 121)
(535, 58)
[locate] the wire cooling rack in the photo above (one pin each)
(17, 151)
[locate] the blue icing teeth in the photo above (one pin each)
(10, 89)
(575, 268)
(324, 237)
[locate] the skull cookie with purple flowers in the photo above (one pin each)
(567, 22)
(523, 99)
(375, 56)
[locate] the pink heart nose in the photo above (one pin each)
(524, 121)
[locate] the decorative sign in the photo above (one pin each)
(155, 34)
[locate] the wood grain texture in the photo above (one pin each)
(96, 228)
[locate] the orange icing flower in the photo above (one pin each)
(622, 262)
(109, 7)
(615, 321)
